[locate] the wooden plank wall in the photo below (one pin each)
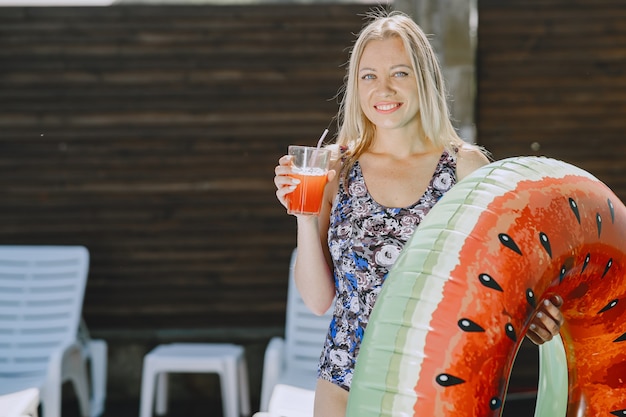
(551, 80)
(553, 73)
(150, 134)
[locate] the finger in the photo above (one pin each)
(534, 338)
(285, 160)
(538, 335)
(283, 180)
(285, 185)
(550, 309)
(557, 300)
(282, 170)
(282, 177)
(281, 192)
(543, 321)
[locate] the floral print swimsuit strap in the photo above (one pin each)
(365, 239)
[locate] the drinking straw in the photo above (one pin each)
(319, 142)
(319, 145)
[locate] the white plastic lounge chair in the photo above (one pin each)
(289, 401)
(20, 404)
(42, 341)
(293, 360)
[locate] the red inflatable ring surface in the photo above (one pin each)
(456, 306)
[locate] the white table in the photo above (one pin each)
(225, 359)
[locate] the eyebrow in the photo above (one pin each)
(393, 67)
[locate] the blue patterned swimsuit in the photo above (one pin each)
(365, 239)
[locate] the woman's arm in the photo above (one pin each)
(313, 269)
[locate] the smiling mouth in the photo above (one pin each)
(387, 107)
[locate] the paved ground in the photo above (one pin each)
(517, 408)
(131, 409)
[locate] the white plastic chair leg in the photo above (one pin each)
(244, 389)
(73, 367)
(51, 401)
(98, 350)
(81, 387)
(147, 392)
(229, 388)
(82, 393)
(162, 386)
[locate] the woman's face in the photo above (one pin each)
(386, 85)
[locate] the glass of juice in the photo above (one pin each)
(310, 165)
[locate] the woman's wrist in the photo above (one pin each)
(307, 222)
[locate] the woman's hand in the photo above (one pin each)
(547, 322)
(285, 184)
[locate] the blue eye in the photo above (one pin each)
(400, 74)
(368, 77)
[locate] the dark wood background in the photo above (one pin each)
(150, 134)
(553, 73)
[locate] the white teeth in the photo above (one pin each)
(386, 107)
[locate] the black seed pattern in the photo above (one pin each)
(574, 207)
(530, 298)
(587, 259)
(495, 403)
(599, 223)
(468, 325)
(562, 273)
(609, 306)
(620, 413)
(611, 209)
(509, 243)
(545, 242)
(447, 380)
(622, 338)
(608, 266)
(510, 332)
(489, 282)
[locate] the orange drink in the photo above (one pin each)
(310, 166)
(307, 197)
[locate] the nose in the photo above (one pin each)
(386, 88)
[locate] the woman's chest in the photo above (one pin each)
(398, 183)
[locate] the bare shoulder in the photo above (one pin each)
(469, 159)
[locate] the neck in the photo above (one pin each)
(401, 143)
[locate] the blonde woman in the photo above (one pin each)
(397, 153)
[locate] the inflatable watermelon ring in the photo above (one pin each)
(456, 306)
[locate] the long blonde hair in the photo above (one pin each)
(356, 132)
